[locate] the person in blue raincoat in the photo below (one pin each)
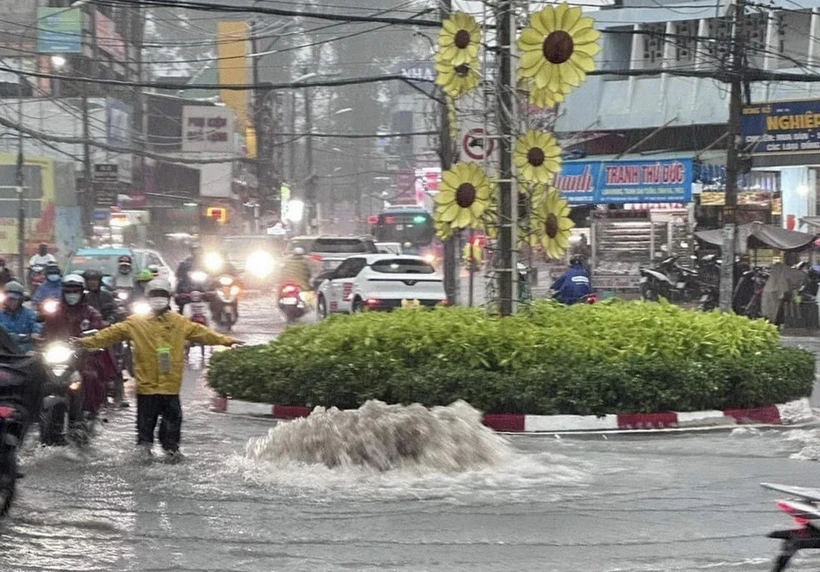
(52, 287)
(17, 320)
(574, 284)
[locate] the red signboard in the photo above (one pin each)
(107, 37)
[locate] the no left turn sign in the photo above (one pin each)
(475, 144)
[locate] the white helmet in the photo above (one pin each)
(158, 285)
(74, 280)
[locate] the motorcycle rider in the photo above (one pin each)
(19, 321)
(159, 350)
(574, 284)
(124, 278)
(98, 297)
(297, 269)
(52, 287)
(5, 274)
(195, 262)
(225, 269)
(74, 317)
(43, 257)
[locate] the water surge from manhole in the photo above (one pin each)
(385, 437)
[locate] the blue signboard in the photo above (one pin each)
(59, 31)
(621, 182)
(781, 128)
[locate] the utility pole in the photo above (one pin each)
(89, 196)
(20, 181)
(506, 271)
(257, 126)
(310, 181)
(732, 157)
(451, 273)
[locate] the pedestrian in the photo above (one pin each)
(159, 356)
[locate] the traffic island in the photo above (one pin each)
(607, 366)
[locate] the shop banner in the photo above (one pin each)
(781, 127)
(622, 182)
(59, 31)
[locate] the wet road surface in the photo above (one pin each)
(627, 504)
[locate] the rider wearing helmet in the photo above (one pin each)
(43, 257)
(52, 287)
(98, 297)
(297, 269)
(159, 358)
(18, 320)
(185, 284)
(124, 278)
(574, 284)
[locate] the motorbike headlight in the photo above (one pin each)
(75, 385)
(225, 280)
(234, 291)
(260, 264)
(58, 354)
(141, 308)
(51, 306)
(198, 276)
(213, 261)
(122, 295)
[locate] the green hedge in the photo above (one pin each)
(606, 358)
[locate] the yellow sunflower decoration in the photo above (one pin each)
(459, 40)
(557, 52)
(551, 224)
(443, 229)
(454, 80)
(537, 156)
(464, 196)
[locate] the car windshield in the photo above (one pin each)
(402, 266)
(343, 246)
(105, 263)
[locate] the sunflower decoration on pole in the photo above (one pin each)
(558, 49)
(463, 198)
(552, 224)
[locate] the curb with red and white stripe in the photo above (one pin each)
(794, 412)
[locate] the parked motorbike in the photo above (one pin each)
(20, 402)
(63, 417)
(293, 301)
(669, 280)
(225, 301)
(803, 505)
(749, 292)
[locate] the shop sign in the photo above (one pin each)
(789, 127)
(59, 31)
(108, 39)
(623, 182)
(207, 129)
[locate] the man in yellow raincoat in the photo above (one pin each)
(159, 359)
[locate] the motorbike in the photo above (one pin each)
(293, 301)
(63, 417)
(196, 302)
(669, 280)
(749, 292)
(803, 505)
(20, 402)
(48, 307)
(224, 302)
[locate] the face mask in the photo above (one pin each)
(73, 299)
(53, 277)
(43, 252)
(158, 303)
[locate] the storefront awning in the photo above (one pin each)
(757, 235)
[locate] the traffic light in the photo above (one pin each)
(218, 214)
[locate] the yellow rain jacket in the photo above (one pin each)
(151, 335)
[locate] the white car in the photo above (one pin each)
(380, 282)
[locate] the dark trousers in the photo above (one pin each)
(149, 409)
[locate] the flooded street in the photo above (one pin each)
(627, 504)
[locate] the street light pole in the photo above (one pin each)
(310, 181)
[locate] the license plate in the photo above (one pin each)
(681, 285)
(644, 280)
(410, 303)
(229, 310)
(704, 298)
(197, 308)
(289, 300)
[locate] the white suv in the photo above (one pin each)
(380, 282)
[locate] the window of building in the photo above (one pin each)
(654, 37)
(685, 41)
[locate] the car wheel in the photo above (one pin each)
(358, 305)
(321, 308)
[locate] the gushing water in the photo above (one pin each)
(385, 437)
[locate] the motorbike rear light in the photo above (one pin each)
(373, 302)
(6, 412)
(316, 257)
(797, 515)
(445, 302)
(290, 290)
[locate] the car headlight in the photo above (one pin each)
(260, 264)
(213, 261)
(141, 308)
(58, 354)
